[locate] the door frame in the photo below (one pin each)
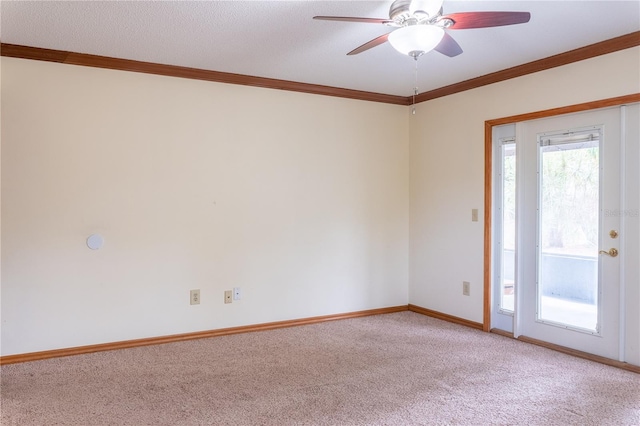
(488, 178)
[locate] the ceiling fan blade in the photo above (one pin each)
(448, 46)
(468, 20)
(368, 45)
(353, 19)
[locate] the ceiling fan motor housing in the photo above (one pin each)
(413, 12)
(398, 9)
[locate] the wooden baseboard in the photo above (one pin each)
(501, 332)
(56, 353)
(580, 354)
(445, 317)
(569, 351)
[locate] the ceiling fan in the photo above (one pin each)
(420, 26)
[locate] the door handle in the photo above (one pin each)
(612, 252)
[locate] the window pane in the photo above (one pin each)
(568, 239)
(507, 277)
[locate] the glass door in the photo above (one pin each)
(568, 268)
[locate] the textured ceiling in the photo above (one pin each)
(279, 39)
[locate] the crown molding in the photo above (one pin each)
(591, 51)
(602, 48)
(83, 59)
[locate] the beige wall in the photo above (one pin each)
(447, 175)
(300, 200)
(306, 202)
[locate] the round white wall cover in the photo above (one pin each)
(95, 241)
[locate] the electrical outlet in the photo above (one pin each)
(466, 288)
(237, 294)
(474, 215)
(228, 296)
(195, 297)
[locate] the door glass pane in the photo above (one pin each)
(568, 233)
(507, 277)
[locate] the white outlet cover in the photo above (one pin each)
(95, 241)
(194, 296)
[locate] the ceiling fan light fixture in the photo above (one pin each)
(414, 40)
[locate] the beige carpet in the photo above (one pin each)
(395, 369)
